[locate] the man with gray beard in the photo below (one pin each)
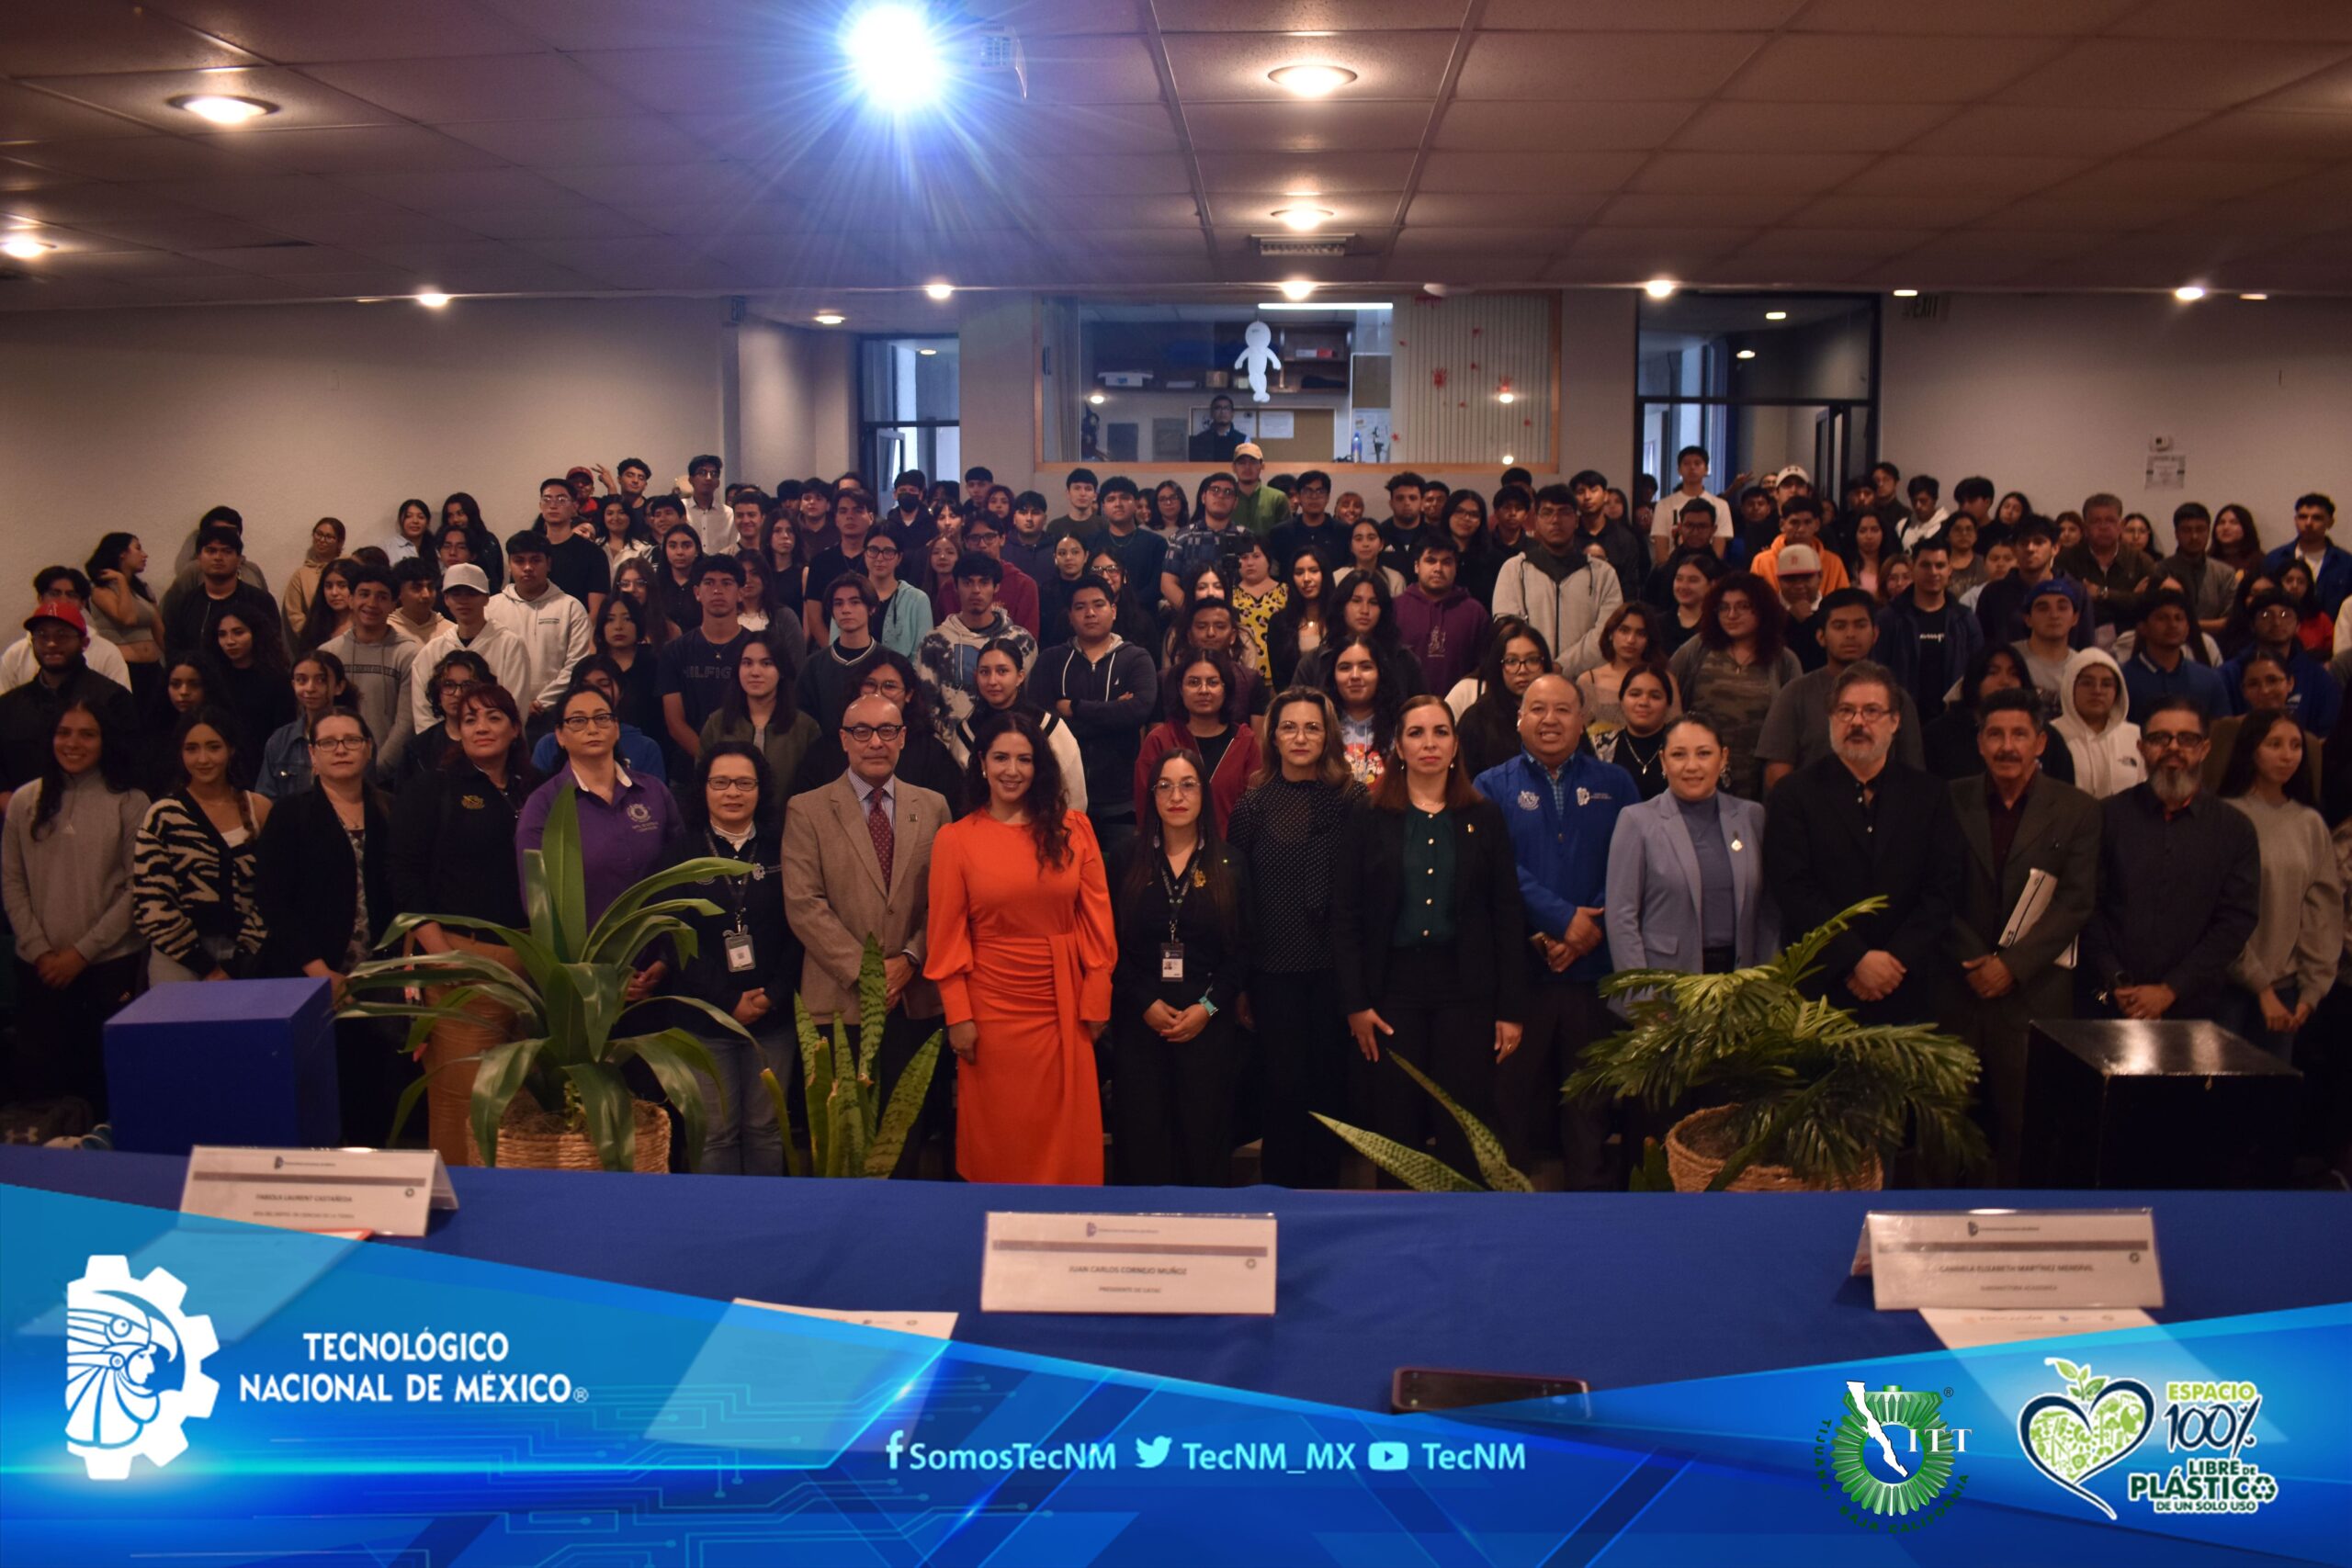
(2180, 878)
(1855, 824)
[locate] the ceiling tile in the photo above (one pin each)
(2262, 134)
(297, 31)
(353, 149)
(2164, 74)
(581, 223)
(1451, 241)
(1662, 209)
(712, 80)
(2329, 89)
(260, 197)
(1807, 127)
(138, 263)
(1305, 16)
(537, 143)
(1045, 17)
(1907, 173)
(2080, 214)
(1980, 17)
(1639, 16)
(1227, 67)
(202, 231)
(76, 247)
(1931, 270)
(1794, 68)
(1084, 174)
(379, 224)
(1089, 70)
(224, 287)
(1901, 211)
(28, 116)
(1305, 172)
(1870, 243)
(582, 25)
(1049, 130)
(73, 205)
(1508, 174)
(1536, 210)
(2051, 129)
(1747, 173)
(145, 95)
(1602, 67)
(2162, 178)
(37, 293)
(144, 156)
(1082, 216)
(2007, 240)
(1377, 125)
(469, 190)
(1507, 127)
(2286, 21)
(479, 88)
(57, 38)
(711, 182)
(284, 260)
(1656, 246)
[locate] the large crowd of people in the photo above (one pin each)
(1180, 812)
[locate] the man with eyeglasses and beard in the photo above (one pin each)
(2180, 878)
(1856, 823)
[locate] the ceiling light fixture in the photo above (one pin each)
(1745, 354)
(1506, 397)
(2254, 296)
(1660, 287)
(1311, 80)
(829, 318)
(1508, 459)
(1302, 219)
(1095, 398)
(939, 290)
(2189, 293)
(1776, 315)
(888, 47)
(1297, 287)
(431, 298)
(1906, 294)
(1332, 305)
(223, 108)
(25, 247)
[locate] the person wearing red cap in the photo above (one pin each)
(28, 715)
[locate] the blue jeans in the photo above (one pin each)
(743, 1137)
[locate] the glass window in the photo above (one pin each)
(1761, 382)
(907, 404)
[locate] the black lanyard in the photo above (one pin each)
(1179, 888)
(735, 884)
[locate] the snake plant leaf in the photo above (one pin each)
(1493, 1163)
(1421, 1172)
(906, 1104)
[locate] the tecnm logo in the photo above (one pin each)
(134, 1368)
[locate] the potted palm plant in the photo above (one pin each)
(570, 1005)
(1807, 1096)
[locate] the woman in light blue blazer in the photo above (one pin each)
(1686, 868)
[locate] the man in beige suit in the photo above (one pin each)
(857, 864)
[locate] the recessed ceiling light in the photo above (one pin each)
(1297, 287)
(939, 290)
(926, 353)
(1660, 287)
(431, 298)
(1506, 397)
(1300, 219)
(890, 46)
(2254, 296)
(1311, 81)
(223, 108)
(24, 247)
(1906, 294)
(1776, 315)
(1745, 354)
(1094, 397)
(1508, 459)
(829, 317)
(2189, 293)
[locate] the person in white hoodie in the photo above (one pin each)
(465, 589)
(552, 624)
(2095, 713)
(1554, 585)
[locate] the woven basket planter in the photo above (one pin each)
(532, 1139)
(1692, 1170)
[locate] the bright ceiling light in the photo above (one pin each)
(2189, 293)
(1094, 398)
(25, 247)
(223, 108)
(2254, 296)
(1776, 315)
(431, 298)
(829, 317)
(1745, 354)
(1311, 81)
(1508, 459)
(926, 353)
(892, 48)
(939, 290)
(1297, 287)
(1660, 287)
(1506, 397)
(1906, 294)
(1333, 305)
(1302, 219)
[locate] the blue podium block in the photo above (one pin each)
(249, 1062)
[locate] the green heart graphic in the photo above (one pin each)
(2071, 1437)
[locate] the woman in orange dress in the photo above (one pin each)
(1021, 944)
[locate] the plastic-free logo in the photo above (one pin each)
(2072, 1435)
(134, 1368)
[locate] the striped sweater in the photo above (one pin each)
(188, 883)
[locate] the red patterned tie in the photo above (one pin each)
(877, 822)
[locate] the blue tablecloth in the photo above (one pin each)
(1616, 1287)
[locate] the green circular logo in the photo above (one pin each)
(1891, 1450)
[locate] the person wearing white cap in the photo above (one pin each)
(1263, 508)
(465, 591)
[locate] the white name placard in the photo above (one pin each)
(929, 1324)
(2012, 1258)
(1129, 1263)
(387, 1192)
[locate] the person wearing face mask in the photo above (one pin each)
(2020, 826)
(2094, 724)
(453, 853)
(1426, 922)
(1686, 876)
(2288, 963)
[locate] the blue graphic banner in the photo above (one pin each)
(183, 1390)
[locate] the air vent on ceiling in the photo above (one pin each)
(1298, 245)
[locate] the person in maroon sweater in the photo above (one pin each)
(1208, 714)
(1437, 620)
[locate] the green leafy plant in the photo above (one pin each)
(1424, 1172)
(851, 1132)
(569, 1000)
(1812, 1088)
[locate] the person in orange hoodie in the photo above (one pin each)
(1801, 524)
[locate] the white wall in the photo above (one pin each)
(2058, 396)
(796, 412)
(142, 419)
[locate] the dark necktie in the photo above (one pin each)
(877, 822)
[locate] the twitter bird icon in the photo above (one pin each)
(1151, 1453)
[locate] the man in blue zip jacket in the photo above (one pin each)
(1561, 806)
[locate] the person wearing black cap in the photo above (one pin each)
(28, 715)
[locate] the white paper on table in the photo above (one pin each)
(1965, 1329)
(930, 1325)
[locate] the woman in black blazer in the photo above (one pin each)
(323, 879)
(1425, 932)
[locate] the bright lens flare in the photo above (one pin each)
(1297, 287)
(890, 47)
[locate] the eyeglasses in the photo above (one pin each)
(1290, 730)
(1176, 787)
(865, 733)
(340, 743)
(1872, 714)
(458, 686)
(2172, 739)
(1522, 661)
(579, 721)
(1220, 489)
(732, 787)
(879, 548)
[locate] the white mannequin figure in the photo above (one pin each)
(1257, 360)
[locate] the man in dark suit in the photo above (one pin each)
(857, 864)
(1856, 824)
(2016, 823)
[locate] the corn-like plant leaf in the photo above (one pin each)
(679, 1061)
(906, 1104)
(598, 945)
(1493, 1163)
(565, 876)
(711, 1011)
(501, 1073)
(610, 1112)
(1417, 1169)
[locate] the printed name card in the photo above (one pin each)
(386, 1191)
(1129, 1263)
(2012, 1258)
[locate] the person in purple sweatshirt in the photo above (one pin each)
(1438, 621)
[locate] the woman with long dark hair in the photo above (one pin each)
(1207, 715)
(330, 613)
(453, 853)
(65, 857)
(2237, 543)
(621, 533)
(674, 581)
(1368, 552)
(1129, 618)
(620, 637)
(1257, 597)
(1286, 834)
(453, 676)
(997, 687)
(301, 591)
(245, 672)
(1183, 960)
(412, 532)
(1479, 557)
(1645, 700)
(1485, 705)
(192, 879)
(762, 710)
(319, 682)
(1364, 607)
(124, 614)
(1022, 945)
(1631, 639)
(463, 509)
(636, 579)
(1368, 698)
(1307, 620)
(2289, 962)
(1426, 927)
(787, 570)
(1169, 513)
(1733, 668)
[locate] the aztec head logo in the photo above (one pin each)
(134, 1368)
(1890, 1451)
(2072, 1435)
